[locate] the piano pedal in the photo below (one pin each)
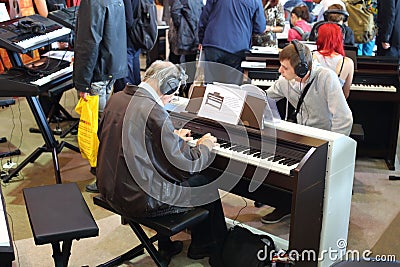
(34, 130)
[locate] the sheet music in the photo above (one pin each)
(222, 103)
(60, 54)
(4, 240)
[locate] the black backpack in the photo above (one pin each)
(143, 32)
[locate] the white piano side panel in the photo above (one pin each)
(337, 200)
(338, 185)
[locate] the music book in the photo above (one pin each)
(222, 103)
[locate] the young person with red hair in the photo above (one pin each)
(330, 54)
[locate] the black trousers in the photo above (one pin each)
(210, 232)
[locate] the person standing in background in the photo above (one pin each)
(100, 51)
(133, 53)
(275, 20)
(388, 21)
(367, 49)
(183, 34)
(323, 6)
(225, 30)
(299, 17)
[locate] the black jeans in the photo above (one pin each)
(228, 70)
(211, 231)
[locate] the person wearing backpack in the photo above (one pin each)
(338, 15)
(183, 34)
(388, 21)
(299, 18)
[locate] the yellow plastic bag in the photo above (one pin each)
(87, 130)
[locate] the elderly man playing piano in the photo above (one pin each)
(324, 105)
(145, 167)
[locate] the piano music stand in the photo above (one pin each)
(51, 144)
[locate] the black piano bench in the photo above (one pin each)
(357, 132)
(58, 213)
(168, 225)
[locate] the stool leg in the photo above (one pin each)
(148, 244)
(66, 251)
(61, 257)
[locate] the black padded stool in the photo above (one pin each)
(357, 132)
(58, 213)
(168, 225)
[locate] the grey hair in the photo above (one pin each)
(160, 70)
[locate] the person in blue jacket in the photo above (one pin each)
(225, 30)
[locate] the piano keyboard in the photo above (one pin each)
(283, 161)
(355, 87)
(30, 42)
(373, 88)
(260, 82)
(46, 79)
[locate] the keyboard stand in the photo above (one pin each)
(51, 144)
(5, 103)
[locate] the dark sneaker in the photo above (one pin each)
(92, 188)
(93, 170)
(276, 216)
(173, 249)
(197, 253)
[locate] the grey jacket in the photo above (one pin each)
(140, 159)
(100, 44)
(324, 105)
(185, 15)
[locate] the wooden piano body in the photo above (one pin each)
(374, 100)
(319, 188)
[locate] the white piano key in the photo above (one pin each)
(53, 76)
(266, 163)
(259, 82)
(48, 37)
(373, 88)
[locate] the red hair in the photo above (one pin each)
(330, 39)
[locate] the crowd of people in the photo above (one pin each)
(106, 63)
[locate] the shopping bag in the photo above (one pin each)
(87, 130)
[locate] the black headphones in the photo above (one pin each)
(300, 69)
(27, 26)
(320, 23)
(336, 11)
(170, 84)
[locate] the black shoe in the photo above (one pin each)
(197, 253)
(92, 188)
(173, 249)
(276, 216)
(215, 261)
(258, 204)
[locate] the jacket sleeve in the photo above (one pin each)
(91, 19)
(275, 91)
(176, 12)
(342, 118)
(259, 21)
(204, 17)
